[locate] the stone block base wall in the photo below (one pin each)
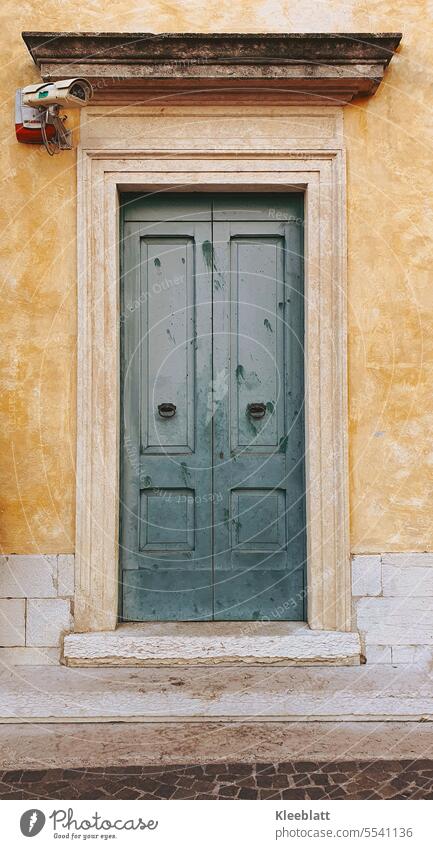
(393, 607)
(36, 601)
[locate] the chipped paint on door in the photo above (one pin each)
(212, 460)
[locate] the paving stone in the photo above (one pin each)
(294, 794)
(70, 774)
(156, 769)
(337, 777)
(200, 770)
(238, 769)
(370, 796)
(247, 793)
(264, 769)
(336, 793)
(298, 780)
(34, 775)
(13, 776)
(200, 786)
(275, 781)
(16, 795)
(182, 781)
(128, 793)
(183, 794)
(129, 770)
(55, 789)
(164, 791)
(320, 780)
(204, 796)
(269, 794)
(248, 782)
(301, 779)
(265, 780)
(422, 763)
(306, 766)
(281, 781)
(399, 783)
(228, 792)
(315, 793)
(215, 769)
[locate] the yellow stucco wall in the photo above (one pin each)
(390, 294)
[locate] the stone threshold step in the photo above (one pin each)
(211, 694)
(75, 746)
(208, 643)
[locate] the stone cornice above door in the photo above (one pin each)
(187, 68)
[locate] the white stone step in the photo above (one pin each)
(206, 693)
(181, 643)
(38, 746)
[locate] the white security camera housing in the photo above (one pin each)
(75, 92)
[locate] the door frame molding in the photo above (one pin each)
(152, 148)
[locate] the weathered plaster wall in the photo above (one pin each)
(391, 368)
(389, 143)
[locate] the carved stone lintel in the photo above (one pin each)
(324, 68)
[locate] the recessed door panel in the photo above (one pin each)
(257, 519)
(167, 520)
(167, 312)
(256, 341)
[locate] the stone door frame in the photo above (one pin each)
(217, 148)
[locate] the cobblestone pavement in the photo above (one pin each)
(297, 780)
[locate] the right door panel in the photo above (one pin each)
(259, 486)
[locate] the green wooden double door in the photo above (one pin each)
(212, 517)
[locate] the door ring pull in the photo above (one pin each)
(256, 410)
(166, 410)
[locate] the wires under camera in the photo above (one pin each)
(58, 140)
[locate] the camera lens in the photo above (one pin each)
(78, 90)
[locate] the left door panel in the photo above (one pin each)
(166, 372)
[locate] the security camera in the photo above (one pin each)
(75, 92)
(37, 112)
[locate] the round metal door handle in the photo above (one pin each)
(256, 410)
(166, 410)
